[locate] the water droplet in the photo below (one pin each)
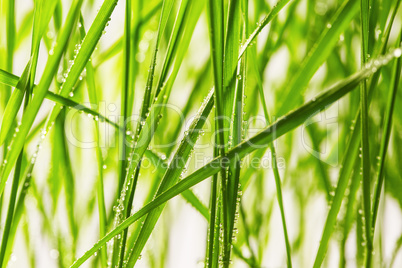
(54, 253)
(397, 52)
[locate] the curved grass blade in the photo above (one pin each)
(318, 54)
(100, 188)
(41, 90)
(261, 140)
(149, 126)
(386, 134)
(85, 50)
(275, 169)
(12, 80)
(178, 31)
(14, 104)
(172, 175)
(347, 164)
(272, 14)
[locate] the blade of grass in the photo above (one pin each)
(23, 84)
(12, 80)
(123, 148)
(172, 175)
(100, 190)
(350, 211)
(267, 19)
(14, 104)
(386, 133)
(216, 25)
(351, 153)
(318, 54)
(274, 168)
(83, 53)
(365, 147)
(178, 31)
(213, 234)
(33, 107)
(233, 88)
(262, 139)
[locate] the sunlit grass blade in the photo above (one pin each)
(14, 104)
(173, 174)
(216, 17)
(83, 53)
(116, 47)
(213, 234)
(396, 73)
(100, 188)
(347, 164)
(12, 80)
(274, 166)
(41, 90)
(274, 11)
(350, 212)
(365, 147)
(263, 138)
(178, 31)
(318, 54)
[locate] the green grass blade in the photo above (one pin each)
(85, 50)
(274, 167)
(124, 95)
(41, 90)
(262, 139)
(318, 54)
(12, 80)
(100, 188)
(216, 27)
(10, 33)
(178, 31)
(232, 108)
(213, 234)
(172, 175)
(350, 212)
(347, 164)
(365, 147)
(272, 14)
(386, 134)
(14, 104)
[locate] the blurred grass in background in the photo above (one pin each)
(277, 123)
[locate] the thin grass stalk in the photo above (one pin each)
(124, 111)
(365, 146)
(212, 249)
(216, 30)
(40, 93)
(275, 170)
(100, 185)
(350, 154)
(263, 138)
(396, 72)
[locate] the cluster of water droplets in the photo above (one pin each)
(373, 65)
